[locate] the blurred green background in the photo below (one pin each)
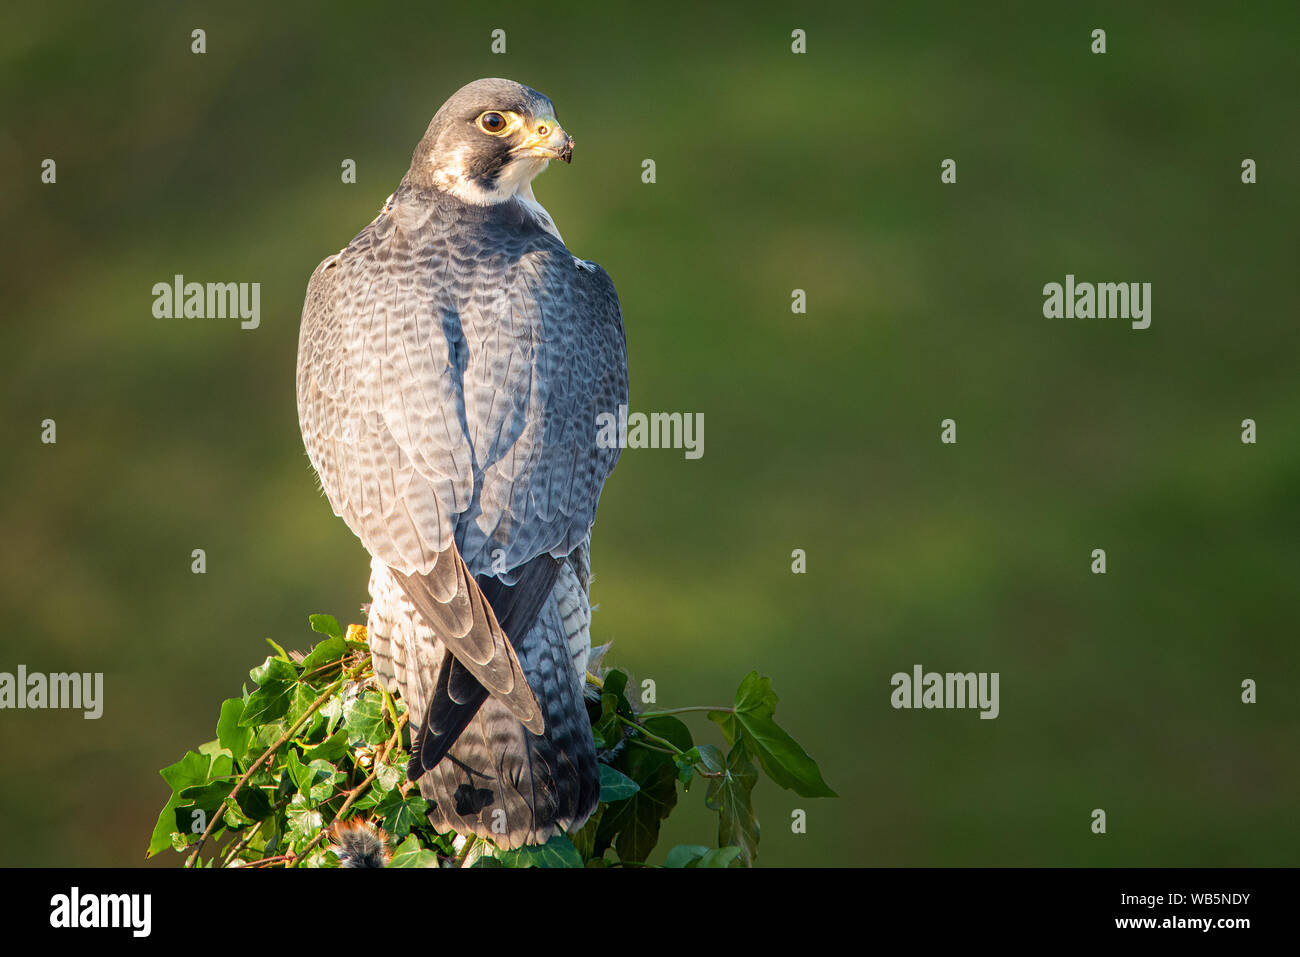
(775, 171)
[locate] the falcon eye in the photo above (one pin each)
(543, 130)
(492, 122)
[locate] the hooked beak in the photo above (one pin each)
(550, 141)
(565, 152)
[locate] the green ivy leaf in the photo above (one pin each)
(364, 720)
(369, 799)
(607, 731)
(267, 734)
(729, 795)
(189, 771)
(684, 855)
(711, 757)
(671, 730)
(686, 767)
(615, 785)
(314, 781)
(274, 669)
(325, 780)
(697, 855)
(388, 776)
(330, 650)
(267, 838)
(317, 858)
(331, 749)
(222, 765)
(214, 751)
(190, 816)
(584, 839)
(401, 813)
(780, 755)
(276, 681)
(253, 803)
(297, 771)
(325, 625)
(719, 857)
(208, 797)
(302, 700)
(615, 684)
(233, 736)
(410, 854)
(557, 852)
(235, 819)
(304, 822)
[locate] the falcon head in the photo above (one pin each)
(488, 141)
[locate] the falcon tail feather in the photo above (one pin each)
(446, 717)
(501, 781)
(459, 694)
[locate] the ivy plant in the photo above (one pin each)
(320, 742)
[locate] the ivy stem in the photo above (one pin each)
(320, 670)
(470, 841)
(652, 737)
(668, 711)
(648, 746)
(234, 851)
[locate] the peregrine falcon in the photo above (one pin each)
(452, 363)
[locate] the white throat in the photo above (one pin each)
(515, 183)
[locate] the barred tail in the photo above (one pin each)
(501, 781)
(485, 773)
